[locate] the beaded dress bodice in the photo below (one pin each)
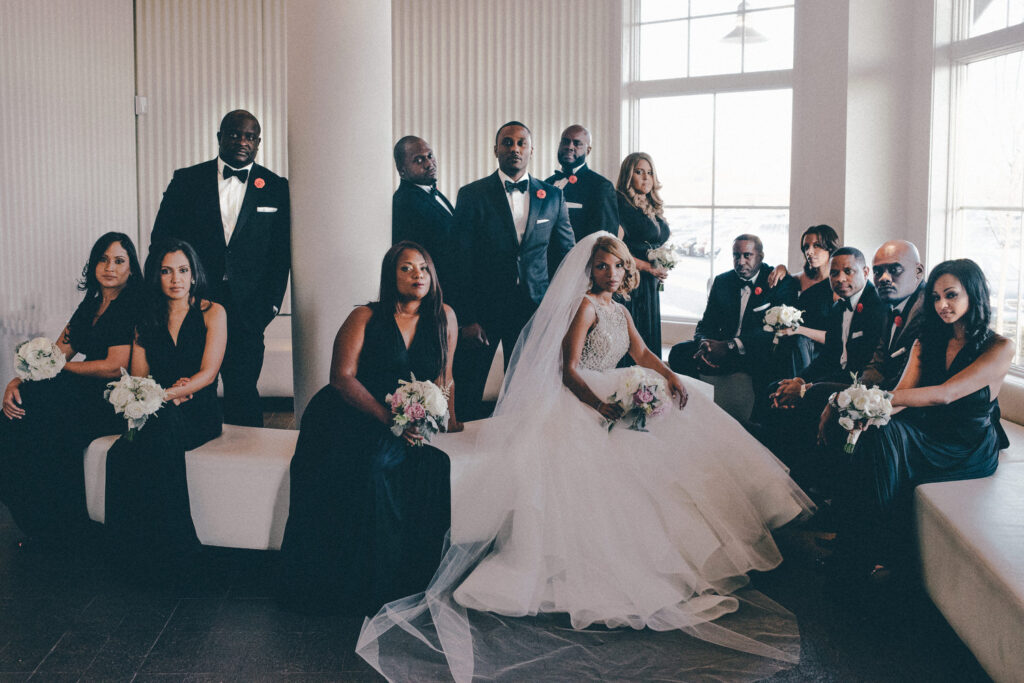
(608, 341)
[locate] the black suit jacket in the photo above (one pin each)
(591, 201)
(890, 358)
(417, 216)
(723, 309)
(865, 331)
(491, 259)
(257, 259)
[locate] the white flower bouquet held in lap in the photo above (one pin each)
(858, 407)
(666, 256)
(137, 398)
(420, 404)
(778, 318)
(642, 394)
(38, 359)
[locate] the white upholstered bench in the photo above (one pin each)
(238, 485)
(971, 539)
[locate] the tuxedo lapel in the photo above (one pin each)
(499, 205)
(911, 310)
(211, 190)
(248, 202)
(535, 202)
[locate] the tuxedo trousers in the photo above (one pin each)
(242, 364)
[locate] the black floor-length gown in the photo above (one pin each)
(147, 504)
(798, 350)
(368, 513)
(41, 472)
(919, 445)
(641, 234)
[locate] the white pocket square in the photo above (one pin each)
(543, 220)
(858, 333)
(762, 307)
(898, 352)
(266, 209)
(574, 205)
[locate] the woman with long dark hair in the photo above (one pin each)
(947, 425)
(368, 511)
(180, 342)
(642, 218)
(46, 424)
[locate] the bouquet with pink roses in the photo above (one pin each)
(642, 394)
(421, 404)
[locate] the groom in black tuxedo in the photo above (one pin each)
(589, 196)
(237, 216)
(511, 232)
(419, 212)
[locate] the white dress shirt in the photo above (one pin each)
(429, 189)
(847, 322)
(518, 203)
(562, 182)
(232, 192)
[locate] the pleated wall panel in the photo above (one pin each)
(67, 158)
(196, 61)
(464, 67)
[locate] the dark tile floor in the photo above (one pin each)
(71, 618)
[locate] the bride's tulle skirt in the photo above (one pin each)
(579, 530)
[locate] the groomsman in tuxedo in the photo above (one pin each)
(512, 231)
(419, 212)
(730, 336)
(237, 215)
(589, 196)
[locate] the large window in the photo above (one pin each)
(985, 196)
(710, 94)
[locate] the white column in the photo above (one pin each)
(340, 168)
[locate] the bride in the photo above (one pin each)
(563, 530)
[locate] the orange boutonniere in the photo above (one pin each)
(259, 183)
(573, 179)
(860, 307)
(758, 291)
(541, 194)
(898, 321)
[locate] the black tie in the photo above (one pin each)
(521, 186)
(845, 303)
(242, 175)
(561, 174)
(746, 284)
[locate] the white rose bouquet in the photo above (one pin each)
(421, 404)
(666, 256)
(136, 398)
(642, 394)
(778, 318)
(38, 359)
(859, 407)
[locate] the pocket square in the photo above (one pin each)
(266, 209)
(542, 220)
(574, 205)
(858, 333)
(898, 352)
(762, 307)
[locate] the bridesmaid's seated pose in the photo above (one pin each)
(47, 424)
(180, 342)
(947, 427)
(369, 510)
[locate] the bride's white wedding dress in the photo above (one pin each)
(554, 515)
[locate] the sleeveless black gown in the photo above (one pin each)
(815, 302)
(147, 505)
(962, 440)
(640, 234)
(41, 475)
(368, 513)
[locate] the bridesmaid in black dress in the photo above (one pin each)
(948, 428)
(180, 343)
(47, 424)
(644, 227)
(815, 299)
(369, 510)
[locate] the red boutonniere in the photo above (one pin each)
(573, 179)
(757, 291)
(898, 321)
(541, 194)
(259, 183)
(860, 307)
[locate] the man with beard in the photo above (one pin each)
(589, 196)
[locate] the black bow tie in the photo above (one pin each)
(521, 186)
(433, 191)
(846, 305)
(242, 175)
(562, 174)
(746, 284)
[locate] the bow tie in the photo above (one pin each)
(242, 175)
(521, 186)
(559, 174)
(845, 304)
(746, 284)
(433, 191)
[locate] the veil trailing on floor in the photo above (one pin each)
(429, 636)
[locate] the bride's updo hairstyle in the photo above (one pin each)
(615, 247)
